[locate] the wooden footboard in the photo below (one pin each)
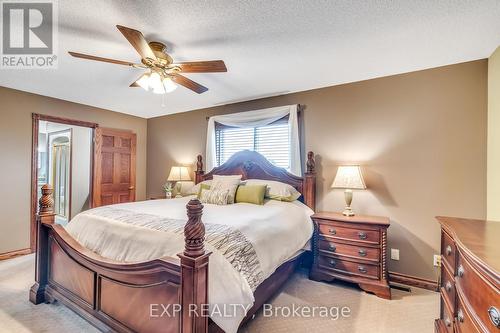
(155, 296)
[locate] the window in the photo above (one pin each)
(272, 141)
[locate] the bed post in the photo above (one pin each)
(194, 273)
(44, 217)
(310, 182)
(198, 174)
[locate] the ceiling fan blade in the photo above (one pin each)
(136, 38)
(190, 84)
(202, 66)
(113, 61)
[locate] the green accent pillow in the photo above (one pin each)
(253, 194)
(203, 187)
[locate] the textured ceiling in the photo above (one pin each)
(270, 47)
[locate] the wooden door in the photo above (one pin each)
(114, 167)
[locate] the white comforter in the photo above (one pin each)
(277, 231)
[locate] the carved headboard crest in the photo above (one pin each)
(252, 165)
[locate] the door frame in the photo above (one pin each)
(36, 118)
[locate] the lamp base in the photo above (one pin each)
(348, 199)
(348, 212)
(178, 188)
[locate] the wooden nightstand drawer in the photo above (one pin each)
(351, 234)
(448, 251)
(464, 322)
(448, 288)
(446, 316)
(352, 251)
(349, 267)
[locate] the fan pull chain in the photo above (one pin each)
(163, 100)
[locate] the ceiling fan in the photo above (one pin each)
(162, 70)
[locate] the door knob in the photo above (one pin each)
(131, 188)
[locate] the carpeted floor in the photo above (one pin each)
(405, 313)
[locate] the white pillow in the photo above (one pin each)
(277, 190)
(196, 188)
(222, 183)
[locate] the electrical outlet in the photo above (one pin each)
(437, 260)
(395, 254)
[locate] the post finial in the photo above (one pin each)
(199, 163)
(46, 202)
(194, 231)
(311, 164)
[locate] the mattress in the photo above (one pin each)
(248, 242)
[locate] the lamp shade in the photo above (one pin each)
(349, 177)
(179, 173)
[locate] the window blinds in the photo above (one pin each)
(272, 141)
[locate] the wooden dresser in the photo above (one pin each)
(351, 248)
(470, 298)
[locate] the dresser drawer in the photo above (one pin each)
(464, 322)
(446, 316)
(353, 251)
(349, 267)
(448, 287)
(448, 250)
(480, 294)
(351, 234)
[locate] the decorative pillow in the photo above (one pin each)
(203, 187)
(277, 190)
(253, 194)
(220, 183)
(216, 197)
(196, 188)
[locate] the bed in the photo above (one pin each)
(93, 267)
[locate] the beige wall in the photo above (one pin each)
(421, 138)
(494, 136)
(16, 108)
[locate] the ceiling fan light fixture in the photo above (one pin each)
(143, 82)
(168, 84)
(155, 83)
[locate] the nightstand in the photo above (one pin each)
(353, 249)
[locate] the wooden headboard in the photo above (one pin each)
(252, 165)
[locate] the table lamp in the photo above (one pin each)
(349, 177)
(178, 174)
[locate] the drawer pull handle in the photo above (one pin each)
(361, 235)
(362, 253)
(332, 231)
(494, 315)
(447, 322)
(460, 271)
(333, 263)
(448, 286)
(362, 269)
(448, 250)
(332, 247)
(460, 315)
